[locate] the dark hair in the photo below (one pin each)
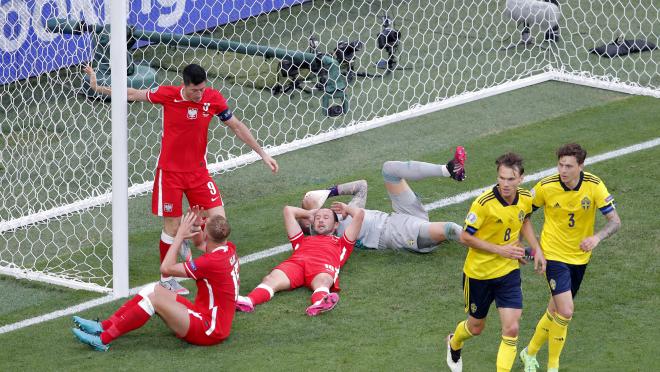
(218, 229)
(572, 149)
(511, 160)
(193, 74)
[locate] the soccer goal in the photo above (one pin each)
(297, 72)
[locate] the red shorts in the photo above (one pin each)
(200, 322)
(302, 270)
(169, 187)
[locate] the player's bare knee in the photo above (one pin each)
(565, 310)
(511, 330)
(171, 225)
(272, 280)
(476, 326)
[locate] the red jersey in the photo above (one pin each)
(328, 248)
(216, 274)
(186, 126)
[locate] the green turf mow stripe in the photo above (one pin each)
(285, 247)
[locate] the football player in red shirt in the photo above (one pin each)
(315, 261)
(207, 320)
(187, 112)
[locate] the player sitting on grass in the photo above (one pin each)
(207, 321)
(408, 227)
(315, 261)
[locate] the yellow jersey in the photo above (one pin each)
(492, 219)
(570, 215)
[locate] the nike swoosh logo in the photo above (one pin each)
(214, 199)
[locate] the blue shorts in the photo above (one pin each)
(563, 277)
(479, 294)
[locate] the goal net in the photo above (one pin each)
(297, 72)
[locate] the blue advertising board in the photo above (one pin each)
(28, 49)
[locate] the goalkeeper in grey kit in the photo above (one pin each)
(408, 226)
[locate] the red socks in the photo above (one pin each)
(319, 293)
(132, 315)
(261, 294)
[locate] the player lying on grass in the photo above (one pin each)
(315, 262)
(408, 227)
(207, 320)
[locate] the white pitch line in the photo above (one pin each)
(286, 247)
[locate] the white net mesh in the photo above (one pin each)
(55, 175)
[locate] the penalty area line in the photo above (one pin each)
(456, 199)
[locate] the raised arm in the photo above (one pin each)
(169, 266)
(352, 232)
(291, 214)
(244, 134)
(132, 93)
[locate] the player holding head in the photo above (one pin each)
(315, 262)
(207, 320)
(569, 200)
(408, 227)
(492, 231)
(181, 169)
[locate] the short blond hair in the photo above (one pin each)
(218, 229)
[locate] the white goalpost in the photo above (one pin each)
(299, 72)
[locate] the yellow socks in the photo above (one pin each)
(460, 335)
(506, 354)
(556, 339)
(541, 334)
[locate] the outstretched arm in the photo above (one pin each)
(132, 93)
(613, 225)
(244, 134)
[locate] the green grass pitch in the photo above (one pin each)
(396, 307)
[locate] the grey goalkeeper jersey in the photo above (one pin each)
(372, 227)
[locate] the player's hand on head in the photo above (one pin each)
(199, 213)
(185, 228)
(339, 208)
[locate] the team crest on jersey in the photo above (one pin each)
(168, 207)
(471, 217)
(521, 216)
(553, 284)
(192, 113)
(586, 203)
(411, 243)
(473, 307)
